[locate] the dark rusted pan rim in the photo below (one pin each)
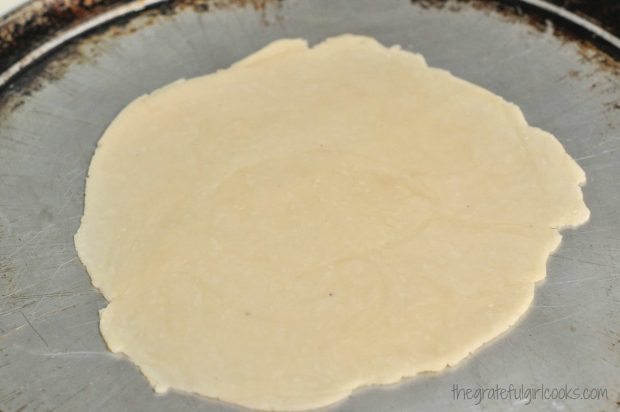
(39, 27)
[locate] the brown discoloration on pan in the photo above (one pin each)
(55, 64)
(604, 13)
(33, 25)
(592, 47)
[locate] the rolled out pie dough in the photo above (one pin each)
(312, 220)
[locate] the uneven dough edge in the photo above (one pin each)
(579, 217)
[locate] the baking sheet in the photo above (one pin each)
(51, 116)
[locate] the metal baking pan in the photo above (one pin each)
(68, 66)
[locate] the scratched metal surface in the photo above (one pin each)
(51, 354)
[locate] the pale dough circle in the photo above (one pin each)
(313, 220)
